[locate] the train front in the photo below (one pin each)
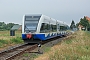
(29, 27)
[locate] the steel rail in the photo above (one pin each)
(16, 51)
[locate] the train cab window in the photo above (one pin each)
(31, 23)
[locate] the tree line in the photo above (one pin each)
(8, 26)
(83, 22)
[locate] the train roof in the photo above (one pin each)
(61, 22)
(33, 14)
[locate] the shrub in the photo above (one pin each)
(3, 42)
(25, 54)
(1, 45)
(16, 40)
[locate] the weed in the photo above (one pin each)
(17, 40)
(87, 47)
(46, 49)
(4, 41)
(80, 45)
(68, 41)
(33, 55)
(1, 45)
(25, 54)
(85, 57)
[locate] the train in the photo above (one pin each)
(39, 27)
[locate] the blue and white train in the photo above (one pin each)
(38, 27)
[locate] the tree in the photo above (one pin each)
(84, 22)
(77, 25)
(8, 26)
(72, 25)
(2, 26)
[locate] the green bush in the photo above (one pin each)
(2, 42)
(16, 40)
(25, 54)
(1, 45)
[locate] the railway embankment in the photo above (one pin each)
(73, 47)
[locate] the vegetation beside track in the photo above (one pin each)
(7, 40)
(73, 47)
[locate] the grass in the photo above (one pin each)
(68, 41)
(6, 39)
(25, 54)
(3, 43)
(5, 35)
(16, 40)
(46, 48)
(73, 47)
(77, 47)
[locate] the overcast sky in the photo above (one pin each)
(64, 10)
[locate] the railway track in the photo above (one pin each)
(11, 53)
(16, 51)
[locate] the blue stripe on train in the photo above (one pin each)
(23, 36)
(41, 36)
(36, 36)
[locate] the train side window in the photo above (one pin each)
(45, 28)
(54, 28)
(48, 28)
(58, 27)
(63, 28)
(51, 27)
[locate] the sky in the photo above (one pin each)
(12, 11)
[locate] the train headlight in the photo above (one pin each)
(29, 36)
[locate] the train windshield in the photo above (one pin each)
(31, 23)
